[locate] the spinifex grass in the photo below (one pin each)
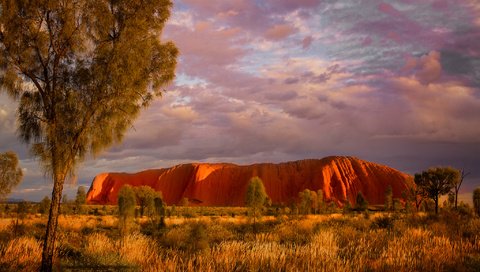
(226, 243)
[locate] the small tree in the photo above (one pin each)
(451, 200)
(126, 208)
(81, 71)
(347, 207)
(184, 202)
(437, 181)
(320, 202)
(314, 198)
(80, 199)
(145, 198)
(361, 204)
(160, 209)
(476, 201)
(10, 173)
(255, 199)
(44, 205)
(305, 201)
(458, 184)
(415, 194)
(389, 198)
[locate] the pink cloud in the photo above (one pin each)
(306, 42)
(430, 68)
(279, 32)
(389, 9)
(206, 47)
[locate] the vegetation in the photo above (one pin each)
(328, 242)
(145, 196)
(10, 173)
(126, 208)
(80, 199)
(44, 205)
(437, 181)
(255, 199)
(81, 72)
(389, 198)
(361, 203)
(476, 201)
(458, 184)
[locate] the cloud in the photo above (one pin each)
(306, 42)
(430, 68)
(279, 32)
(281, 80)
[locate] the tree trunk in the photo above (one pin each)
(436, 204)
(49, 241)
(456, 197)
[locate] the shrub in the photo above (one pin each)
(361, 203)
(383, 222)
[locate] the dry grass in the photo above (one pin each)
(312, 243)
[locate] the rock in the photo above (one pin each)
(222, 184)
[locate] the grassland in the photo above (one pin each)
(223, 239)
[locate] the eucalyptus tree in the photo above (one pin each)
(476, 200)
(437, 181)
(255, 199)
(10, 173)
(80, 70)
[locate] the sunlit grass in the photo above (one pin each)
(299, 243)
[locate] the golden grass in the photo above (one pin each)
(21, 254)
(311, 243)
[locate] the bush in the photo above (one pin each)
(383, 222)
(295, 232)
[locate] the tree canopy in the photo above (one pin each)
(476, 200)
(81, 71)
(255, 198)
(10, 173)
(437, 181)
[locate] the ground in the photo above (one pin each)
(225, 239)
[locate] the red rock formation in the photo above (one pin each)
(221, 184)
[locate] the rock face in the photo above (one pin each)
(221, 184)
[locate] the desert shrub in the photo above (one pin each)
(470, 229)
(295, 232)
(126, 208)
(137, 249)
(383, 222)
(465, 210)
(218, 233)
(198, 239)
(176, 237)
(361, 203)
(476, 201)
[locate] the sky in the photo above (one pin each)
(393, 82)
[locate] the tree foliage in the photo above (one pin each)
(437, 181)
(146, 199)
(255, 198)
(126, 207)
(361, 203)
(389, 198)
(10, 173)
(311, 201)
(81, 71)
(476, 201)
(44, 205)
(306, 201)
(80, 199)
(413, 193)
(160, 210)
